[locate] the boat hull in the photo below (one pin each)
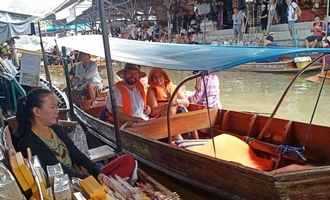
(225, 179)
(274, 67)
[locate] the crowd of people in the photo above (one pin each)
(37, 115)
(187, 18)
(135, 103)
(136, 100)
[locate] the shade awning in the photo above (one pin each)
(178, 56)
(12, 25)
(38, 8)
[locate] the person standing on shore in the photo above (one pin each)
(293, 13)
(272, 15)
(237, 25)
(264, 18)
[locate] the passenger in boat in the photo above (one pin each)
(212, 91)
(159, 92)
(130, 96)
(37, 129)
(86, 80)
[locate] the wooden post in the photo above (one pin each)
(67, 80)
(108, 60)
(44, 58)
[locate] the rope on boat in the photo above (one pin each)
(208, 111)
(288, 149)
(265, 128)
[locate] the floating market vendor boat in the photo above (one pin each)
(269, 158)
(31, 177)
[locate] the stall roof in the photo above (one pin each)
(39, 8)
(179, 56)
(13, 24)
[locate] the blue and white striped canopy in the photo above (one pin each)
(179, 56)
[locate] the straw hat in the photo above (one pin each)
(129, 66)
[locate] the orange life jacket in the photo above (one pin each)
(162, 95)
(125, 97)
(126, 100)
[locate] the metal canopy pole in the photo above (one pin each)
(168, 117)
(106, 44)
(327, 19)
(268, 122)
(67, 79)
(44, 58)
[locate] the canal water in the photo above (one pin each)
(253, 92)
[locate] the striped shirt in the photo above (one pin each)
(212, 90)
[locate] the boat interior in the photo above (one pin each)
(237, 135)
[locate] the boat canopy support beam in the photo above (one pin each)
(44, 57)
(265, 128)
(171, 101)
(108, 60)
(64, 60)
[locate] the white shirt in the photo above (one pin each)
(136, 100)
(86, 74)
(292, 13)
(11, 67)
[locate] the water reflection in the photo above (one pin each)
(260, 92)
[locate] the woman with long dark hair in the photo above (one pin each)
(37, 129)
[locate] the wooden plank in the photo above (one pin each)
(180, 123)
(305, 189)
(303, 174)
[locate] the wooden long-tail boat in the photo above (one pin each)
(275, 67)
(227, 178)
(306, 177)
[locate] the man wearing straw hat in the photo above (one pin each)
(130, 95)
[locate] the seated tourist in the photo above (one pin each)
(317, 30)
(212, 91)
(37, 129)
(86, 80)
(129, 95)
(159, 93)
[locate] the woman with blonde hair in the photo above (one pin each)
(159, 92)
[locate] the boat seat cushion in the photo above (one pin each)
(231, 148)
